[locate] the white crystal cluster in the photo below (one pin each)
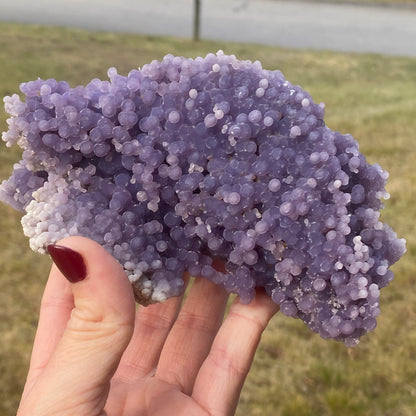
(184, 161)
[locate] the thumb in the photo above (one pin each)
(99, 329)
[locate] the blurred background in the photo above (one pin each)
(359, 57)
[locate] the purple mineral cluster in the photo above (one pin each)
(184, 161)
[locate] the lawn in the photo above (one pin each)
(373, 97)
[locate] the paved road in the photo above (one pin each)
(340, 27)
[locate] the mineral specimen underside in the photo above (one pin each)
(183, 161)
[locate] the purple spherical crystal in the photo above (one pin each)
(186, 161)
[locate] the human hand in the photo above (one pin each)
(96, 354)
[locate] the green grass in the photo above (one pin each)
(295, 372)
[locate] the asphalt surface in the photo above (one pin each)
(295, 24)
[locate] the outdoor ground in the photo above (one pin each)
(295, 372)
(372, 2)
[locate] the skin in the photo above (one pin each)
(96, 353)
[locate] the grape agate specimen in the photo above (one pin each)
(183, 161)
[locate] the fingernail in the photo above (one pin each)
(69, 262)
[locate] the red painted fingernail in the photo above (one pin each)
(69, 262)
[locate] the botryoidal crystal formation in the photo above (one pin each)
(187, 160)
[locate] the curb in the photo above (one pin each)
(379, 4)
